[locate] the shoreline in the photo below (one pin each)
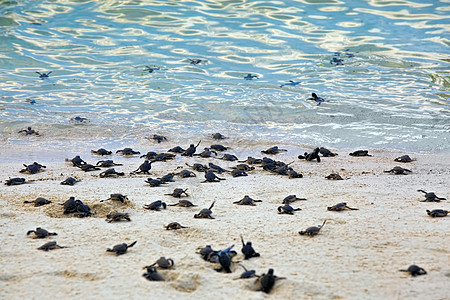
(357, 254)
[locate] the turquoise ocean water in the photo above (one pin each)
(381, 66)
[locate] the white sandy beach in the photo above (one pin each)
(357, 255)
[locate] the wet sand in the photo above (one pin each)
(357, 255)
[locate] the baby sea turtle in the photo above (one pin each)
(290, 83)
(312, 231)
(287, 209)
(293, 174)
(163, 263)
(198, 167)
(89, 167)
(101, 152)
(207, 153)
(121, 248)
(116, 217)
(437, 213)
(111, 173)
(78, 120)
(186, 174)
(195, 61)
(210, 176)
(164, 156)
(224, 259)
(216, 168)
(50, 246)
(247, 249)
(360, 153)
(243, 167)
(145, 167)
(31, 101)
(247, 273)
(33, 168)
(247, 201)
(415, 270)
(41, 233)
(150, 155)
(218, 136)
(176, 149)
(229, 157)
(15, 181)
(77, 161)
(205, 213)
(177, 193)
(398, 171)
(44, 75)
(273, 150)
(326, 153)
(191, 150)
(314, 155)
(29, 131)
(152, 274)
(431, 197)
(116, 197)
(39, 201)
(206, 252)
(337, 61)
(292, 198)
(252, 160)
(250, 76)
(174, 226)
(159, 138)
(267, 281)
(107, 163)
(154, 182)
(238, 173)
(77, 207)
(156, 205)
(334, 176)
(127, 152)
(151, 69)
(167, 178)
(404, 159)
(340, 207)
(219, 147)
(316, 98)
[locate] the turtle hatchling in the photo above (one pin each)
(29, 131)
(107, 163)
(152, 274)
(415, 270)
(41, 233)
(191, 150)
(267, 281)
(163, 263)
(210, 176)
(247, 201)
(247, 249)
(205, 213)
(145, 167)
(250, 76)
(43, 74)
(287, 209)
(312, 231)
(238, 173)
(431, 197)
(127, 152)
(77, 161)
(69, 181)
(156, 205)
(334, 176)
(111, 173)
(50, 246)
(247, 273)
(116, 197)
(15, 181)
(159, 138)
(340, 207)
(360, 153)
(101, 152)
(154, 182)
(398, 171)
(186, 174)
(177, 193)
(174, 226)
(326, 153)
(316, 98)
(292, 198)
(273, 150)
(33, 168)
(116, 217)
(89, 167)
(437, 213)
(176, 149)
(121, 248)
(218, 136)
(404, 159)
(39, 201)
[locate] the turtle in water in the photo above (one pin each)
(247, 249)
(404, 159)
(177, 149)
(229, 157)
(111, 173)
(116, 217)
(437, 213)
(15, 181)
(337, 61)
(287, 209)
(312, 231)
(107, 163)
(292, 198)
(69, 181)
(101, 152)
(120, 249)
(340, 207)
(41, 233)
(145, 167)
(31, 101)
(360, 153)
(159, 138)
(89, 167)
(195, 61)
(415, 270)
(205, 213)
(267, 281)
(127, 152)
(316, 98)
(151, 69)
(224, 260)
(243, 167)
(177, 193)
(247, 273)
(191, 150)
(174, 226)
(29, 131)
(43, 74)
(33, 168)
(152, 274)
(334, 176)
(163, 263)
(210, 176)
(77, 161)
(50, 246)
(186, 174)
(326, 153)
(431, 197)
(250, 76)
(273, 150)
(238, 173)
(398, 171)
(290, 83)
(116, 197)
(78, 120)
(247, 201)
(218, 136)
(154, 182)
(39, 201)
(156, 205)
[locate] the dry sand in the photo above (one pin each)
(357, 255)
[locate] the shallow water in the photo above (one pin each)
(391, 90)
